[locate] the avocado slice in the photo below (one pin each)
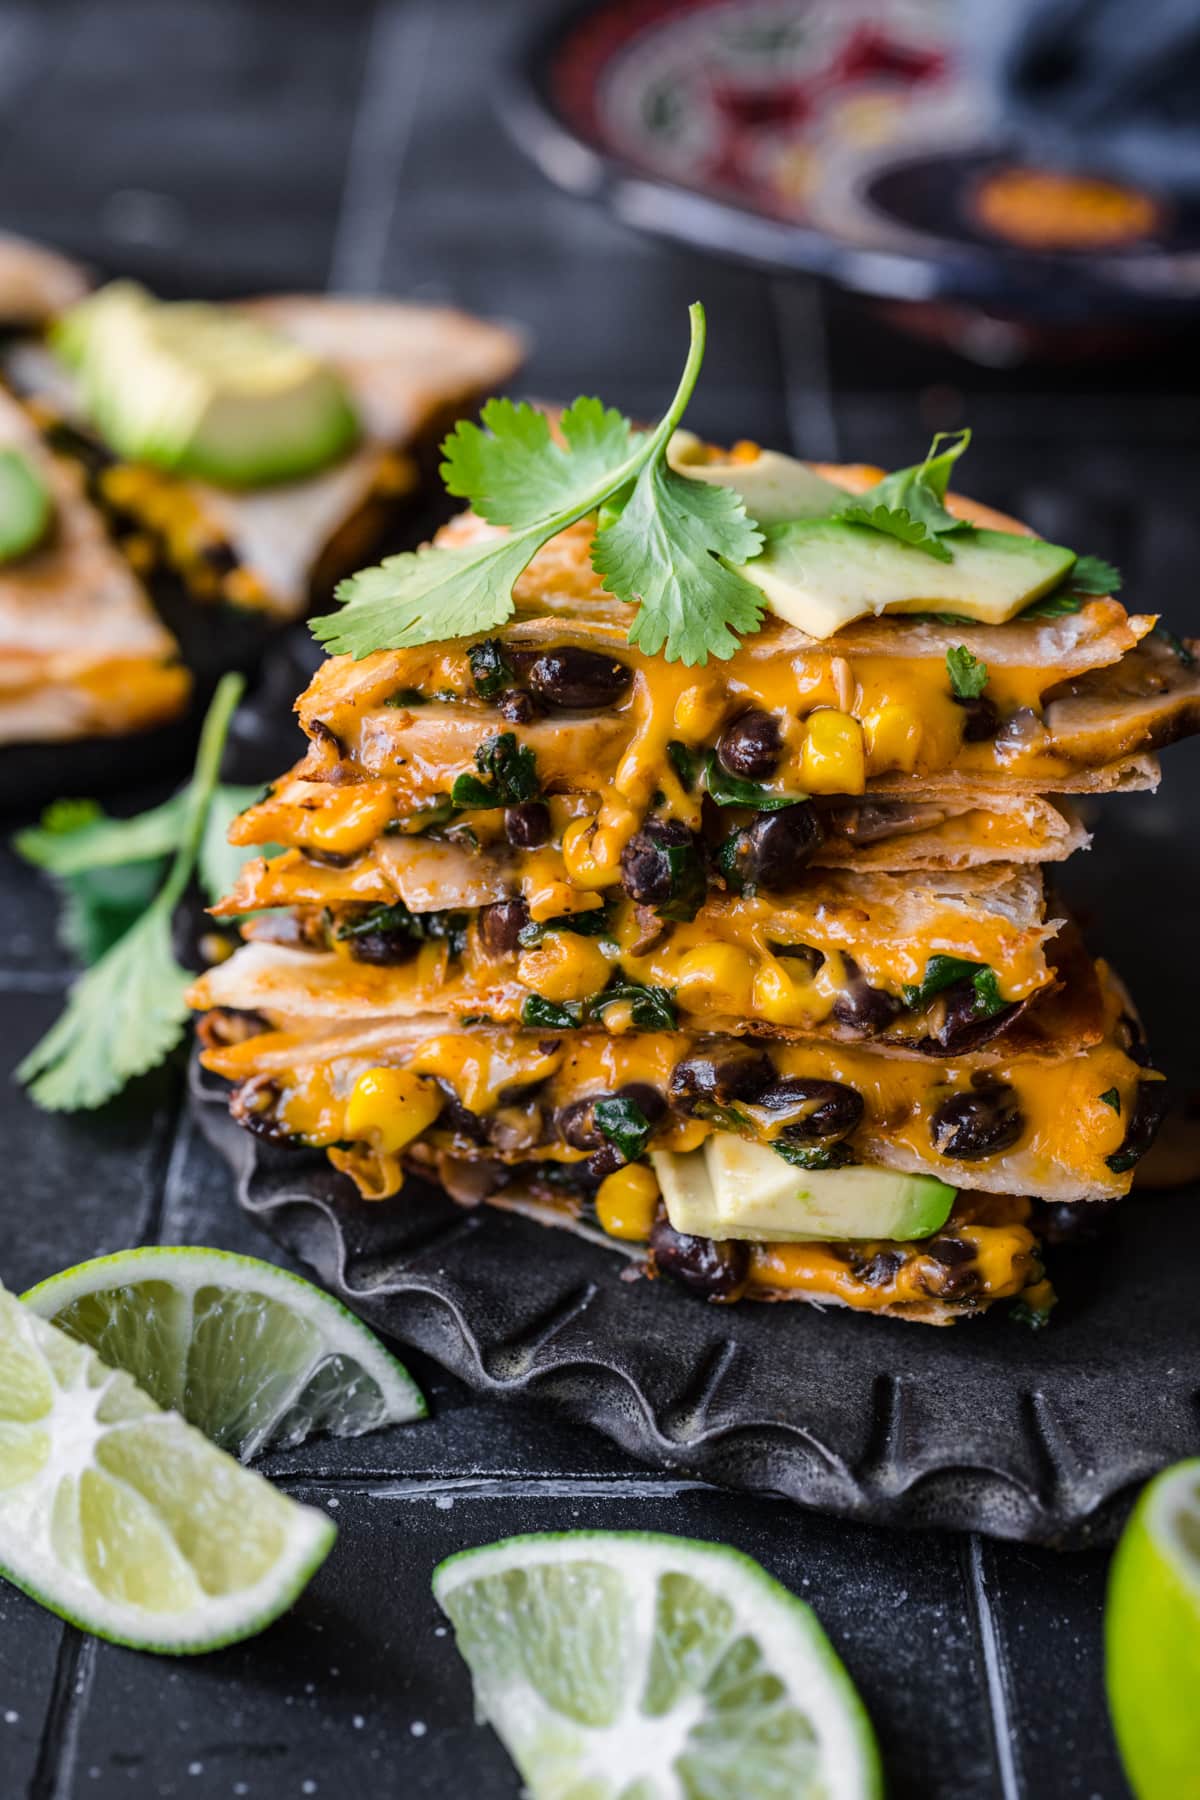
(819, 574)
(731, 1188)
(773, 488)
(202, 390)
(25, 506)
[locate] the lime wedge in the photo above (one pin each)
(631, 1666)
(1152, 1638)
(125, 1520)
(250, 1354)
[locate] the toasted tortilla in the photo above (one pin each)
(82, 650)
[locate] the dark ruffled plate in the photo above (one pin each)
(988, 1426)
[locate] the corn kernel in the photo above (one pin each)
(715, 978)
(699, 710)
(592, 859)
(778, 999)
(564, 966)
(626, 1202)
(388, 1108)
(893, 733)
(832, 760)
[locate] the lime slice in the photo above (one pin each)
(1152, 1638)
(631, 1666)
(250, 1354)
(125, 1520)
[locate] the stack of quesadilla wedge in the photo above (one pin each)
(750, 970)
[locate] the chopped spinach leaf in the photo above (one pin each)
(683, 763)
(624, 1124)
(942, 972)
(813, 1156)
(1112, 1098)
(548, 1014)
(1174, 644)
(733, 790)
(1033, 1318)
(398, 921)
(489, 670)
(406, 697)
(510, 771)
(583, 924)
(651, 1008)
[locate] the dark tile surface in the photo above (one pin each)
(212, 145)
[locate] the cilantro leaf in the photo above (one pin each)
(624, 1124)
(897, 522)
(1092, 575)
(99, 907)
(968, 676)
(126, 1012)
(513, 472)
(662, 545)
(1055, 605)
(121, 1019)
(426, 594)
(663, 552)
(75, 836)
(218, 862)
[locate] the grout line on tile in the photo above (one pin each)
(53, 1776)
(487, 1487)
(995, 1671)
(396, 50)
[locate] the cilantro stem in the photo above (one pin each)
(205, 772)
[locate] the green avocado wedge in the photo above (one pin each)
(821, 574)
(26, 508)
(202, 390)
(732, 1188)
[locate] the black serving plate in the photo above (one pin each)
(988, 1426)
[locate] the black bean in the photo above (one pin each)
(604, 1161)
(720, 1076)
(882, 1269)
(459, 1119)
(256, 1106)
(750, 745)
(661, 864)
(957, 1273)
(576, 1125)
(718, 1270)
(980, 1123)
(959, 1028)
(518, 708)
(500, 926)
(570, 676)
(826, 1109)
(385, 949)
(650, 1102)
(781, 845)
(1064, 1224)
(1144, 1121)
(981, 720)
(527, 827)
(861, 1007)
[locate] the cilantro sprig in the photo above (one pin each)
(127, 1011)
(664, 548)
